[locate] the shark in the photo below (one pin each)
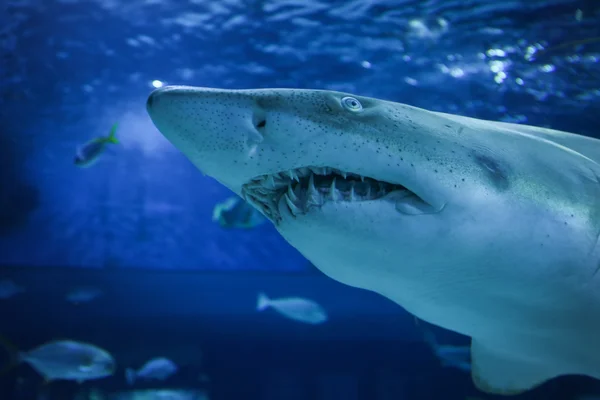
(488, 229)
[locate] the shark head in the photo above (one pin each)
(371, 191)
(341, 176)
(276, 138)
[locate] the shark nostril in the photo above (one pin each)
(259, 119)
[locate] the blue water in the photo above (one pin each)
(73, 68)
(70, 69)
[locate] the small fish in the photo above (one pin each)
(9, 289)
(237, 213)
(66, 360)
(296, 308)
(158, 368)
(458, 357)
(89, 153)
(82, 295)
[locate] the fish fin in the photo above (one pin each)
(428, 335)
(461, 365)
(130, 376)
(465, 366)
(262, 302)
(502, 373)
(430, 339)
(456, 351)
(112, 138)
(217, 212)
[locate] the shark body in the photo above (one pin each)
(488, 229)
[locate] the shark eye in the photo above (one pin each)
(351, 104)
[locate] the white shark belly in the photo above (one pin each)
(520, 338)
(533, 314)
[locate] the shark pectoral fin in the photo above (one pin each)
(497, 373)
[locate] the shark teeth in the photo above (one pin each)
(313, 194)
(334, 194)
(304, 188)
(291, 194)
(291, 205)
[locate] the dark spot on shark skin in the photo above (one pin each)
(497, 172)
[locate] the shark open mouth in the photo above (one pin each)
(310, 187)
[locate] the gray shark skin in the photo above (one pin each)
(488, 229)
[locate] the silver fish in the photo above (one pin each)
(296, 308)
(158, 368)
(69, 360)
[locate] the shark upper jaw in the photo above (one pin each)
(297, 192)
(222, 132)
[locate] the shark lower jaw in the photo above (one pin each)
(304, 189)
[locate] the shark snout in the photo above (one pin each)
(154, 97)
(212, 117)
(217, 129)
(150, 101)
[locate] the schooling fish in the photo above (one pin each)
(237, 213)
(67, 360)
(296, 308)
(89, 153)
(158, 368)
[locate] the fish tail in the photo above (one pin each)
(112, 138)
(262, 302)
(130, 376)
(428, 336)
(431, 340)
(15, 355)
